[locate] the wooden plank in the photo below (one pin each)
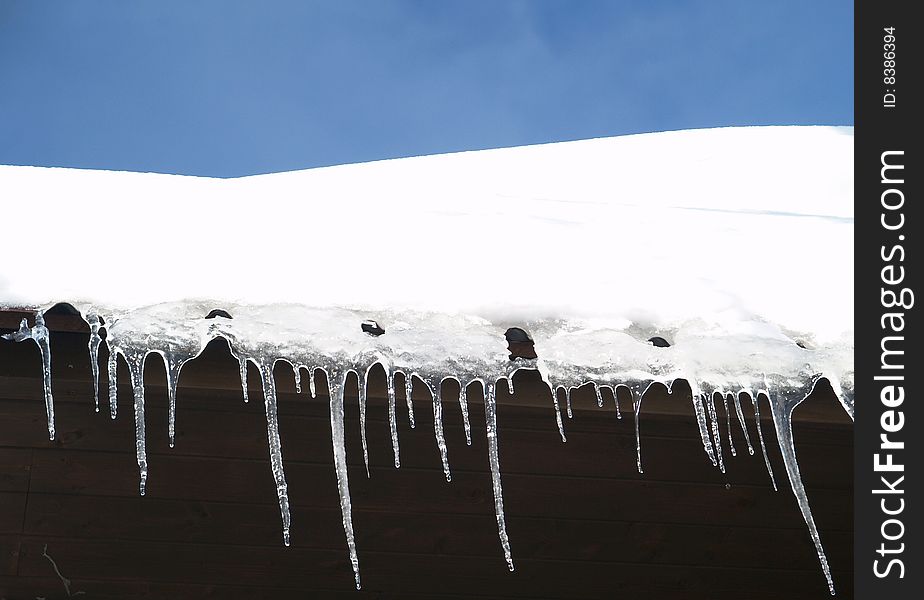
(15, 469)
(213, 523)
(242, 434)
(295, 567)
(30, 588)
(12, 512)
(425, 491)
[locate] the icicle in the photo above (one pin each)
(781, 410)
(490, 415)
(558, 421)
(298, 378)
(741, 422)
(135, 360)
(760, 437)
(361, 382)
(637, 408)
(599, 395)
(435, 392)
(275, 444)
(463, 404)
(93, 345)
(616, 400)
(173, 367)
(731, 442)
(408, 388)
(113, 368)
(242, 361)
(393, 417)
(700, 411)
(39, 334)
(336, 384)
(510, 385)
(312, 386)
(716, 436)
(568, 402)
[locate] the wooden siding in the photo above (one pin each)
(583, 522)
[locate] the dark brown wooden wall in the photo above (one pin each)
(583, 522)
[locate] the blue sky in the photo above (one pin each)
(235, 88)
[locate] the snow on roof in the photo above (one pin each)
(734, 245)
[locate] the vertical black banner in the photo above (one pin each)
(888, 442)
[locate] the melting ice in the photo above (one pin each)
(330, 341)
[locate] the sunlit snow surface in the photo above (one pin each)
(733, 244)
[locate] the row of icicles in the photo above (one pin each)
(704, 405)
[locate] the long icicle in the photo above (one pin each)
(336, 385)
(135, 360)
(173, 366)
(242, 363)
(701, 421)
(435, 392)
(93, 347)
(716, 436)
(361, 382)
(298, 378)
(760, 437)
(782, 421)
(731, 442)
(741, 422)
(408, 389)
(39, 334)
(463, 405)
(393, 417)
(275, 445)
(558, 421)
(113, 369)
(637, 409)
(490, 415)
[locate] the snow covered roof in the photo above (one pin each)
(735, 245)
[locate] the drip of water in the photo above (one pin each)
(93, 346)
(39, 334)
